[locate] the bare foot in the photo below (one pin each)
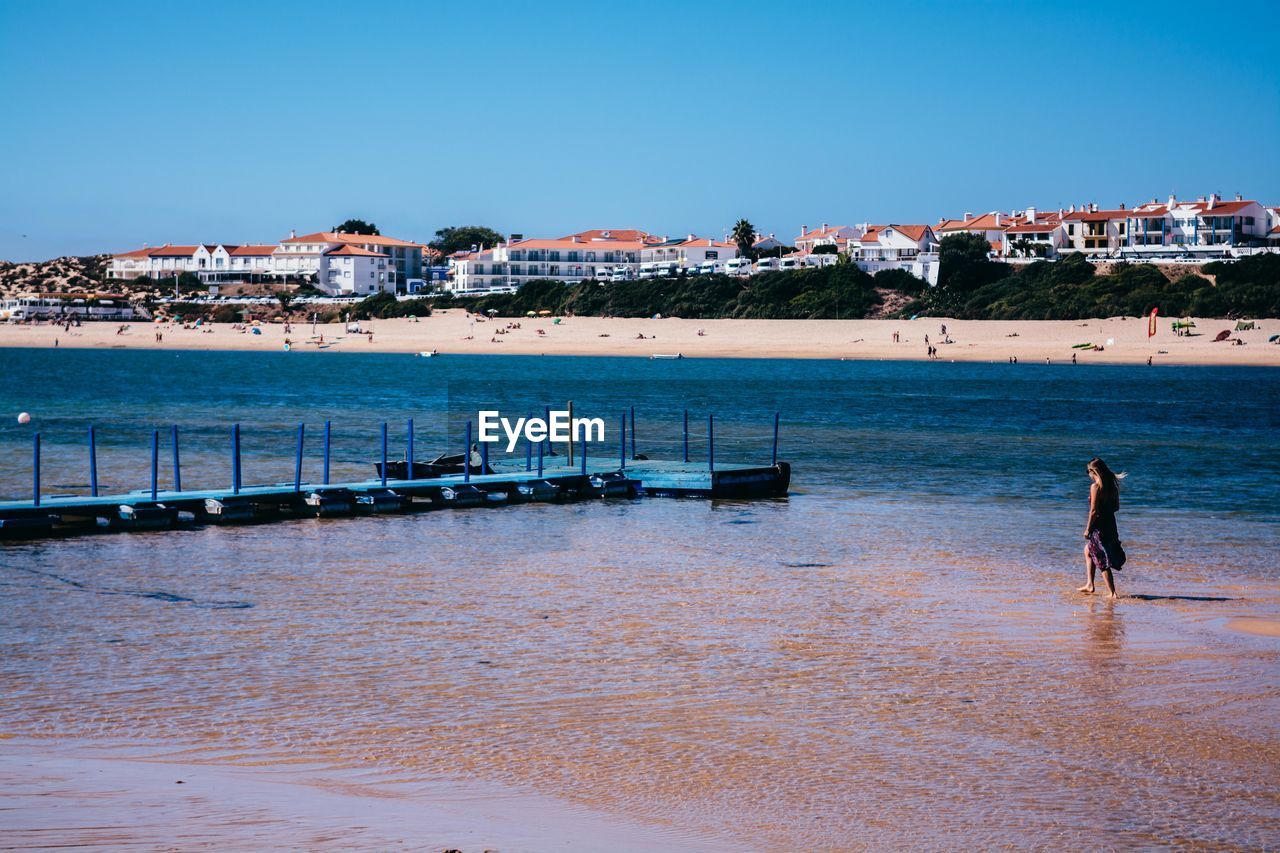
(1087, 589)
(1112, 596)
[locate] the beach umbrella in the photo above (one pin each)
(492, 311)
(543, 313)
(531, 313)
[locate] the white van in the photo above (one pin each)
(648, 270)
(737, 266)
(788, 264)
(767, 264)
(666, 269)
(620, 274)
(708, 268)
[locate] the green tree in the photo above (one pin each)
(744, 235)
(284, 298)
(357, 226)
(463, 237)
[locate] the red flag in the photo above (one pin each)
(1151, 322)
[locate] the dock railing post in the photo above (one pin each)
(35, 469)
(686, 435)
(484, 457)
(93, 462)
(528, 448)
(235, 459)
(297, 458)
(633, 432)
(155, 463)
(622, 444)
(570, 442)
(384, 454)
(584, 449)
(540, 458)
(775, 438)
(408, 452)
(546, 413)
(711, 443)
(327, 434)
(466, 457)
(177, 462)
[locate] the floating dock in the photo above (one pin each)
(548, 479)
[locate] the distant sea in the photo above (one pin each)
(893, 653)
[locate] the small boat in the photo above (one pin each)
(441, 466)
(675, 356)
(330, 502)
(426, 354)
(379, 500)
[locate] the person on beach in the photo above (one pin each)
(1102, 548)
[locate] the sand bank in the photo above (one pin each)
(80, 796)
(450, 332)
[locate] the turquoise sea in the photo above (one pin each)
(886, 656)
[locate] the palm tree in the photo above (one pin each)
(744, 234)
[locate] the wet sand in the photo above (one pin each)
(82, 795)
(452, 331)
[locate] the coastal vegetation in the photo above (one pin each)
(357, 226)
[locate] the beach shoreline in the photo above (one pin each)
(452, 332)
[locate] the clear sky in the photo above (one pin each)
(125, 122)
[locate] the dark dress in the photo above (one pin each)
(1104, 539)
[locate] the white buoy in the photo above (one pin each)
(24, 418)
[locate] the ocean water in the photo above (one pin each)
(894, 654)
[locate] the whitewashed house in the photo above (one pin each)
(913, 248)
(825, 235)
(602, 254)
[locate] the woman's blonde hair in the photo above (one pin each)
(1110, 479)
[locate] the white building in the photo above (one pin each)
(688, 252)
(301, 255)
(913, 248)
(1033, 235)
(826, 235)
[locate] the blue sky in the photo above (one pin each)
(128, 122)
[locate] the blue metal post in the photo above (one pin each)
(408, 455)
(528, 448)
(327, 433)
(177, 463)
(584, 451)
(93, 462)
(155, 463)
(35, 469)
(622, 443)
(711, 443)
(484, 456)
(633, 432)
(384, 454)
(297, 459)
(235, 459)
(539, 458)
(686, 435)
(466, 457)
(775, 438)
(546, 414)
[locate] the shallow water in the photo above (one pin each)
(893, 654)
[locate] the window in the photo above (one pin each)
(574, 256)
(591, 257)
(1122, 224)
(555, 256)
(555, 269)
(1248, 220)
(1071, 229)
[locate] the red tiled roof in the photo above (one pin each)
(136, 253)
(818, 233)
(167, 251)
(355, 250)
(915, 232)
(1037, 227)
(584, 244)
(351, 239)
(252, 250)
(1098, 215)
(626, 235)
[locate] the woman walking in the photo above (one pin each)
(1102, 550)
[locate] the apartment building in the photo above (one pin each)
(913, 248)
(300, 254)
(989, 225)
(1032, 234)
(598, 253)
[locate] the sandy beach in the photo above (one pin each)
(1124, 340)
